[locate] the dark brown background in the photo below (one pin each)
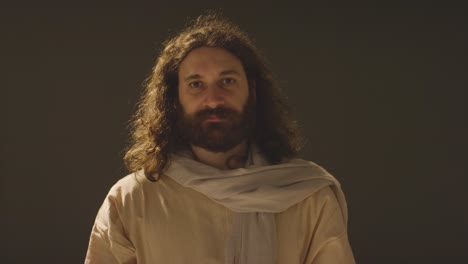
(379, 92)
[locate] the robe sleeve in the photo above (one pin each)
(329, 243)
(108, 241)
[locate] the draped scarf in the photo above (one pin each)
(254, 194)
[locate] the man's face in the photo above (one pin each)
(214, 96)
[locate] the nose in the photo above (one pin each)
(214, 97)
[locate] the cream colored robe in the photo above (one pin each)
(164, 222)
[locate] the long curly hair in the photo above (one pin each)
(153, 127)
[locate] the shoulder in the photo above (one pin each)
(328, 202)
(125, 186)
(327, 196)
(324, 197)
(306, 164)
(127, 198)
(320, 211)
(135, 190)
(128, 189)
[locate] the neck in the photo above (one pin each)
(231, 159)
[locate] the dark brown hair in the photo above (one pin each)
(153, 127)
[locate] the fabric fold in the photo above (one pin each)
(253, 239)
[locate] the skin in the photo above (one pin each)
(208, 78)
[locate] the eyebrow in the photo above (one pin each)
(198, 76)
(192, 77)
(227, 72)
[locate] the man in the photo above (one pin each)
(214, 179)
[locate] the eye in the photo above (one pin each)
(195, 84)
(228, 81)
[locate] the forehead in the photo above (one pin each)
(209, 60)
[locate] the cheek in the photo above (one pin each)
(183, 102)
(188, 105)
(244, 96)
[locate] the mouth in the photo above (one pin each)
(214, 118)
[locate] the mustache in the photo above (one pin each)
(221, 112)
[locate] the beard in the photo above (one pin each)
(219, 136)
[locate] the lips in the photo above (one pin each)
(214, 117)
